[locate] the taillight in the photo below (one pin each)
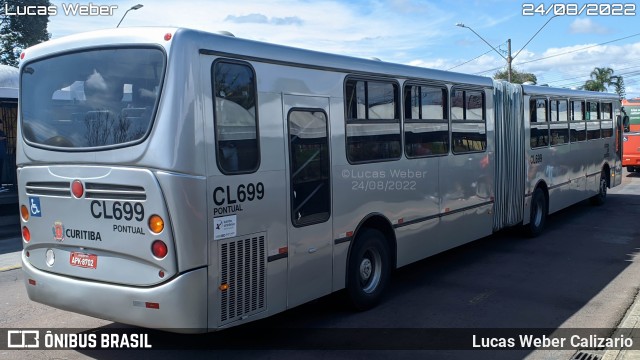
(26, 234)
(159, 249)
(24, 212)
(77, 189)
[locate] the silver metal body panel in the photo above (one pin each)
(571, 171)
(177, 312)
(91, 224)
(431, 204)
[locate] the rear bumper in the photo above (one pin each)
(182, 300)
(630, 160)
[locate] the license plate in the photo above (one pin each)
(89, 261)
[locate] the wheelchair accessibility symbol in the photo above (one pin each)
(34, 206)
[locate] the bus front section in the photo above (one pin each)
(97, 232)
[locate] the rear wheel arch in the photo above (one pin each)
(370, 260)
(378, 222)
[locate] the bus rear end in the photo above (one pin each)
(97, 231)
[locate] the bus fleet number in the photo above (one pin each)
(117, 210)
(535, 159)
(243, 193)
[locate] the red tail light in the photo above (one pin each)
(77, 189)
(159, 249)
(26, 234)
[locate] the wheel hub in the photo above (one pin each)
(365, 269)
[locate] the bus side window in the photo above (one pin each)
(578, 126)
(372, 121)
(235, 120)
(468, 124)
(539, 133)
(309, 159)
(426, 125)
(606, 111)
(593, 120)
(558, 122)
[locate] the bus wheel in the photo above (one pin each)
(538, 215)
(601, 196)
(368, 269)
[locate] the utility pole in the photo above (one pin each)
(509, 59)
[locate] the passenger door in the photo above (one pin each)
(309, 197)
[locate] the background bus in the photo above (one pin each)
(631, 154)
(172, 178)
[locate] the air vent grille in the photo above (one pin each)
(243, 269)
(49, 188)
(114, 192)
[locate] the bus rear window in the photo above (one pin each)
(89, 99)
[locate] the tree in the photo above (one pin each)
(618, 85)
(18, 32)
(517, 77)
(600, 79)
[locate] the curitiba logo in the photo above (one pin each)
(58, 231)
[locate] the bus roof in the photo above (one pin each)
(229, 46)
(631, 102)
(546, 90)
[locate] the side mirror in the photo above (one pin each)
(625, 122)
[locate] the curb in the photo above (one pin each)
(12, 267)
(629, 327)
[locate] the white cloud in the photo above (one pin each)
(388, 30)
(262, 19)
(586, 26)
(414, 32)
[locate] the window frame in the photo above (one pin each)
(161, 88)
(215, 118)
(290, 172)
(608, 120)
(566, 122)
(421, 120)
(536, 98)
(348, 120)
(588, 103)
(464, 114)
(572, 120)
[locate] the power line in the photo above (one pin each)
(629, 75)
(583, 76)
(468, 61)
(586, 77)
(564, 53)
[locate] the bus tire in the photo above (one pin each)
(601, 196)
(538, 214)
(368, 269)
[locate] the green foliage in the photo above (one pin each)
(18, 32)
(602, 78)
(517, 77)
(618, 86)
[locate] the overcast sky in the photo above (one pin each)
(416, 32)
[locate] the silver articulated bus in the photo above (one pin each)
(177, 179)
